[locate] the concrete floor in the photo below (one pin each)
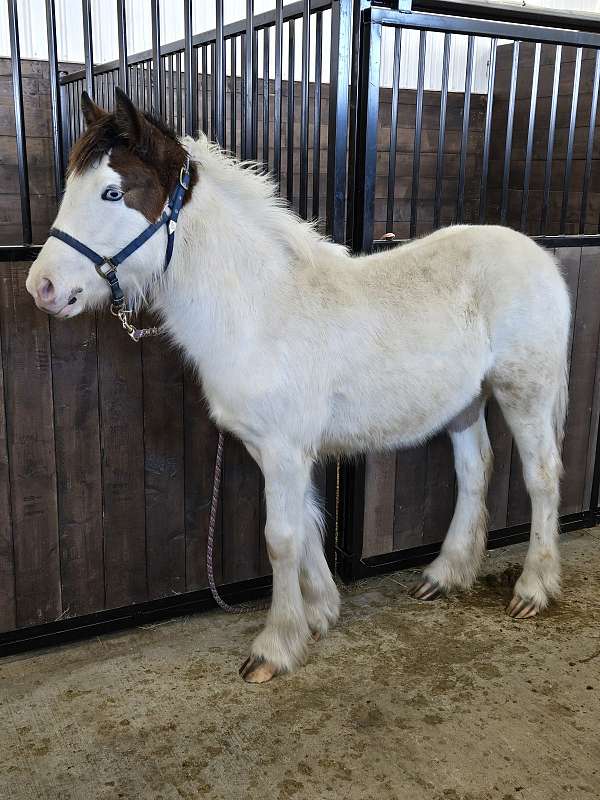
(448, 701)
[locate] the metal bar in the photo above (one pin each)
(508, 13)
(233, 96)
(248, 144)
(265, 99)
(204, 69)
(483, 27)
(509, 132)
(590, 144)
(291, 11)
(135, 84)
(360, 15)
(88, 49)
(65, 127)
(571, 140)
(290, 112)
(277, 90)
(55, 103)
(391, 182)
(464, 140)
(191, 92)
(242, 94)
(157, 82)
(17, 85)
(255, 95)
(172, 91)
(218, 67)
(304, 110)
(530, 130)
(316, 165)
(366, 145)
(551, 133)
(212, 93)
(439, 167)
(339, 75)
(487, 136)
(179, 94)
(122, 37)
(164, 61)
(414, 195)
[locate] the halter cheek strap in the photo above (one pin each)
(106, 266)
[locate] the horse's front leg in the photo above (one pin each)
(281, 645)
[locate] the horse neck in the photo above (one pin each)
(227, 266)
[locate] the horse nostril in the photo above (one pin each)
(72, 300)
(46, 290)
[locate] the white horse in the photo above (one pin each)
(305, 351)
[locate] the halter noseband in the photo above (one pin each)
(106, 266)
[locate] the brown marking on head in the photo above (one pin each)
(145, 153)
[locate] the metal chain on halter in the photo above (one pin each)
(124, 317)
(214, 504)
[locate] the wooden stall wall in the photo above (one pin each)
(409, 495)
(106, 466)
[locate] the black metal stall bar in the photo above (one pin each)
(218, 68)
(86, 9)
(191, 73)
(122, 36)
(17, 85)
(54, 99)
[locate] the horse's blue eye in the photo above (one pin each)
(112, 193)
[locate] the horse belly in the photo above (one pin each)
(401, 402)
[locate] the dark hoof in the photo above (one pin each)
(426, 590)
(518, 608)
(257, 670)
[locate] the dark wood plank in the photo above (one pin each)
(121, 415)
(8, 610)
(581, 382)
(200, 451)
(409, 499)
(32, 466)
(78, 464)
(501, 442)
(164, 467)
(241, 513)
(378, 520)
(439, 489)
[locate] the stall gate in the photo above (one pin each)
(106, 450)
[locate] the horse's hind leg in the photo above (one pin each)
(464, 545)
(533, 425)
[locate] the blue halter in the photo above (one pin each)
(107, 267)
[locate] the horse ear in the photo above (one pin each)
(129, 120)
(91, 112)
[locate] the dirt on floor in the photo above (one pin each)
(445, 701)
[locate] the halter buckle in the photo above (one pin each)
(184, 175)
(104, 273)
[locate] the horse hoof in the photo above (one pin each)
(519, 608)
(256, 670)
(426, 590)
(316, 636)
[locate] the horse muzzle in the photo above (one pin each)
(48, 298)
